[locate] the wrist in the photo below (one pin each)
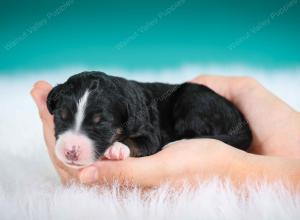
(251, 168)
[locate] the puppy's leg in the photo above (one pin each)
(146, 145)
(117, 151)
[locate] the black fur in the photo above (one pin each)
(146, 115)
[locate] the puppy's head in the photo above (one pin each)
(88, 112)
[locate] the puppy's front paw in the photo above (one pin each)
(117, 151)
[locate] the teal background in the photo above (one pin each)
(88, 32)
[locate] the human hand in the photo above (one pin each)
(185, 160)
(275, 125)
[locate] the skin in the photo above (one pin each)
(273, 156)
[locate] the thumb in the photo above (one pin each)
(136, 171)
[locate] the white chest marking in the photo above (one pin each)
(81, 106)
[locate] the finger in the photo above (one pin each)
(220, 84)
(134, 171)
(39, 94)
(42, 84)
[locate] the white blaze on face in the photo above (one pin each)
(81, 106)
(73, 147)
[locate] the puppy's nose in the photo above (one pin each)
(72, 155)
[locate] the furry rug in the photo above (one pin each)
(30, 189)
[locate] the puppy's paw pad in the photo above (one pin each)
(117, 151)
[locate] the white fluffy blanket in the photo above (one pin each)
(30, 189)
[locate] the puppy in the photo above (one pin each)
(97, 115)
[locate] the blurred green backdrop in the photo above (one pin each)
(148, 34)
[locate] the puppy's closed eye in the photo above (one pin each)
(96, 118)
(64, 114)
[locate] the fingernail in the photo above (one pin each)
(89, 175)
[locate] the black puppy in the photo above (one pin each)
(98, 115)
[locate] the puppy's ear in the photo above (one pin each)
(53, 97)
